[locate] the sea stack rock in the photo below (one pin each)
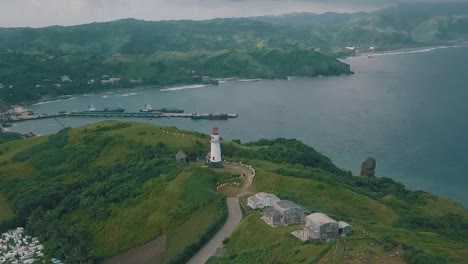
(368, 167)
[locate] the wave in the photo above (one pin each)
(195, 86)
(127, 94)
(54, 101)
(105, 96)
(249, 80)
(411, 51)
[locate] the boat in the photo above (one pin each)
(114, 110)
(170, 110)
(92, 108)
(198, 116)
(149, 108)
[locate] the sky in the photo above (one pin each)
(40, 13)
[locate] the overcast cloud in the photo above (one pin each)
(39, 13)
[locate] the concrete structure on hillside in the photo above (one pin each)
(214, 157)
(181, 157)
(262, 200)
(283, 213)
(318, 227)
(344, 229)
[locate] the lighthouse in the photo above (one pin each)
(215, 154)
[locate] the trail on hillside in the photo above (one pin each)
(234, 218)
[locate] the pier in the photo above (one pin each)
(118, 115)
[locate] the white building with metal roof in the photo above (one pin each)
(262, 200)
(318, 227)
(284, 213)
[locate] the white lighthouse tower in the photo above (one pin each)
(215, 154)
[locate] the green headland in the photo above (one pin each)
(97, 191)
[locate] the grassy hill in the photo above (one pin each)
(386, 221)
(103, 189)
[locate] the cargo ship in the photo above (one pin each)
(149, 108)
(221, 116)
(92, 108)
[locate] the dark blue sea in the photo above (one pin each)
(408, 109)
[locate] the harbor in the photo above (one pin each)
(101, 114)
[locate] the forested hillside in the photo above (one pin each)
(32, 61)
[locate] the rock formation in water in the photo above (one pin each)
(368, 167)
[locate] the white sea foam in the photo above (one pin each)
(54, 101)
(412, 51)
(105, 96)
(178, 88)
(249, 80)
(127, 94)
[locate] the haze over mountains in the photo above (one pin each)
(172, 52)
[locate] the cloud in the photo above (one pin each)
(39, 13)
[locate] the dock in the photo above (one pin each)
(110, 115)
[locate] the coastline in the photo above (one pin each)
(184, 85)
(407, 50)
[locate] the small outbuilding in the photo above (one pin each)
(181, 157)
(318, 227)
(284, 213)
(262, 200)
(344, 229)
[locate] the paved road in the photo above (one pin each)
(234, 218)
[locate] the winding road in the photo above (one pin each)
(234, 218)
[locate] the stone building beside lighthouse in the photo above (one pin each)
(213, 158)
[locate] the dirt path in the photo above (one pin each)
(244, 170)
(234, 218)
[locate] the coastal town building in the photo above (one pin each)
(136, 81)
(112, 80)
(16, 247)
(283, 213)
(262, 200)
(65, 78)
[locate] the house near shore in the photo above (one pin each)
(112, 80)
(65, 78)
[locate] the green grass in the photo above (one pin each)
(454, 250)
(189, 231)
(165, 203)
(254, 241)
(6, 212)
(336, 201)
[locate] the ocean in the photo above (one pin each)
(407, 109)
